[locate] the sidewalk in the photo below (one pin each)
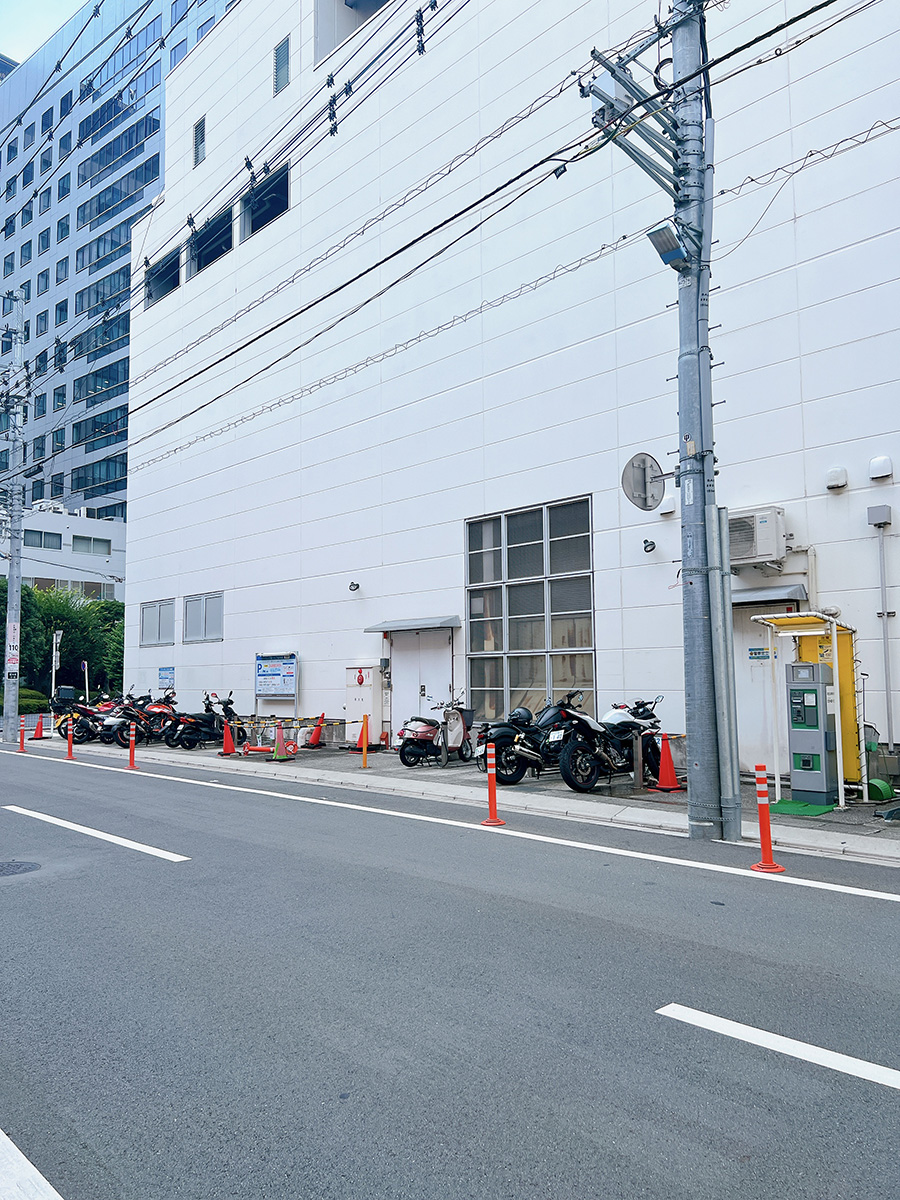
(854, 833)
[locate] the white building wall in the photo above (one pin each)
(371, 478)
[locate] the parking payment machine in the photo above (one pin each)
(811, 733)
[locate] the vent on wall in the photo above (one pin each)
(757, 536)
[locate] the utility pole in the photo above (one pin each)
(16, 437)
(676, 152)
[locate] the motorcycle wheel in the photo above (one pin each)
(107, 738)
(239, 733)
(409, 756)
(122, 735)
(63, 730)
(189, 740)
(481, 763)
(80, 735)
(510, 768)
(465, 752)
(172, 739)
(579, 766)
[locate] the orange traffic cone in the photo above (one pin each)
(227, 742)
(358, 748)
(315, 741)
(668, 780)
(38, 729)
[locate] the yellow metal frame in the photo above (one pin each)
(835, 643)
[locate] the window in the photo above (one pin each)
(530, 607)
(9, 264)
(162, 277)
(177, 53)
(179, 8)
(205, 28)
(28, 212)
(26, 291)
(8, 304)
(282, 65)
(106, 429)
(40, 363)
(113, 244)
(264, 202)
(9, 226)
(25, 253)
(200, 141)
(62, 270)
(65, 105)
(57, 485)
(12, 150)
(28, 174)
(46, 159)
(103, 384)
(11, 185)
(60, 354)
(38, 448)
(41, 539)
(44, 200)
(203, 618)
(26, 332)
(28, 139)
(123, 61)
(118, 196)
(65, 145)
(62, 229)
(59, 441)
(63, 186)
(37, 490)
(116, 153)
(41, 322)
(91, 545)
(158, 623)
(62, 312)
(44, 240)
(104, 338)
(43, 282)
(210, 242)
(59, 398)
(6, 341)
(100, 293)
(4, 460)
(40, 405)
(47, 121)
(336, 20)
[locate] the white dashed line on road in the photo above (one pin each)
(20, 1179)
(105, 837)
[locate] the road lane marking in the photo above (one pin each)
(19, 1178)
(714, 868)
(105, 837)
(859, 1067)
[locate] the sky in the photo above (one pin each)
(26, 24)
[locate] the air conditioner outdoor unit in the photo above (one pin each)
(757, 536)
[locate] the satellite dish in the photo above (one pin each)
(644, 482)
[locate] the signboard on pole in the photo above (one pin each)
(276, 675)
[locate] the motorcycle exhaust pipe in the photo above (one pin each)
(527, 752)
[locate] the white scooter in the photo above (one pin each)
(424, 739)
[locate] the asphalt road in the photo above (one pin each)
(333, 1003)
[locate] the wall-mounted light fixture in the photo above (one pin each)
(649, 546)
(836, 478)
(881, 467)
(354, 587)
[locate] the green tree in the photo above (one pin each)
(34, 645)
(84, 638)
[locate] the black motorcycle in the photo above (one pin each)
(523, 740)
(606, 747)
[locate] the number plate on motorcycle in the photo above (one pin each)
(556, 735)
(480, 749)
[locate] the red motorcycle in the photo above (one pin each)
(424, 739)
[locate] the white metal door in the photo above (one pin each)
(753, 686)
(421, 665)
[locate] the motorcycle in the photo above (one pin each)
(151, 719)
(606, 747)
(86, 721)
(523, 741)
(424, 739)
(190, 729)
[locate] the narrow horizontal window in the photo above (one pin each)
(265, 201)
(210, 242)
(162, 277)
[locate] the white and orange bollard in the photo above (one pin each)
(132, 766)
(767, 863)
(492, 818)
(364, 737)
(22, 749)
(70, 755)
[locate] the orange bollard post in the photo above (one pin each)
(70, 755)
(492, 818)
(22, 749)
(365, 740)
(767, 862)
(131, 763)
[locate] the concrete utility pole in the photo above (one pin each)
(677, 154)
(16, 437)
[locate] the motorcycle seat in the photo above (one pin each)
(427, 721)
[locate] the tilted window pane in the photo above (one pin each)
(571, 595)
(570, 554)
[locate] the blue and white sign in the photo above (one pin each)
(276, 675)
(166, 678)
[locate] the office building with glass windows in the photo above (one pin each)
(81, 160)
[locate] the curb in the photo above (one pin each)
(822, 843)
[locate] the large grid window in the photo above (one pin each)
(530, 608)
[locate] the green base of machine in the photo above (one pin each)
(799, 808)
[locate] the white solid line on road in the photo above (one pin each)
(105, 837)
(761, 880)
(886, 1076)
(20, 1179)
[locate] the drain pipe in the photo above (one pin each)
(880, 516)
